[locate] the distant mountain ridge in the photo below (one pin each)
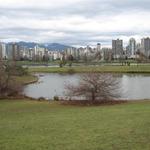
(49, 46)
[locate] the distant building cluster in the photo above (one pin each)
(132, 50)
(15, 52)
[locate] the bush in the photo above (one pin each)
(94, 86)
(56, 98)
(71, 71)
(41, 98)
(16, 70)
(21, 71)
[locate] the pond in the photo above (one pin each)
(133, 87)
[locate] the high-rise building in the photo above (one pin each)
(107, 54)
(15, 52)
(98, 47)
(117, 48)
(145, 46)
(38, 53)
(3, 54)
(138, 47)
(132, 48)
(9, 50)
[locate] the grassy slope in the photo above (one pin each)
(113, 69)
(30, 125)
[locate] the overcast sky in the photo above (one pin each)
(74, 22)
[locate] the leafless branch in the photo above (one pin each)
(95, 86)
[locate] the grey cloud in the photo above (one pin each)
(89, 9)
(75, 38)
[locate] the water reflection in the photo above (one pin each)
(49, 85)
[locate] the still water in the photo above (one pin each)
(49, 85)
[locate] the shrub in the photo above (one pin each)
(94, 86)
(71, 71)
(56, 98)
(41, 98)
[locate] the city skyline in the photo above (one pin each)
(124, 44)
(77, 23)
(34, 51)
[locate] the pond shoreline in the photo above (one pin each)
(100, 69)
(49, 85)
(32, 81)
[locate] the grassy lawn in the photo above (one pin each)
(31, 125)
(27, 79)
(109, 69)
(37, 63)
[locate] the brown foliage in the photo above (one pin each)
(95, 86)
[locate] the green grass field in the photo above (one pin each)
(107, 69)
(31, 125)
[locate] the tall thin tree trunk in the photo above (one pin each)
(93, 96)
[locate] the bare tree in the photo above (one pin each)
(140, 57)
(8, 86)
(95, 86)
